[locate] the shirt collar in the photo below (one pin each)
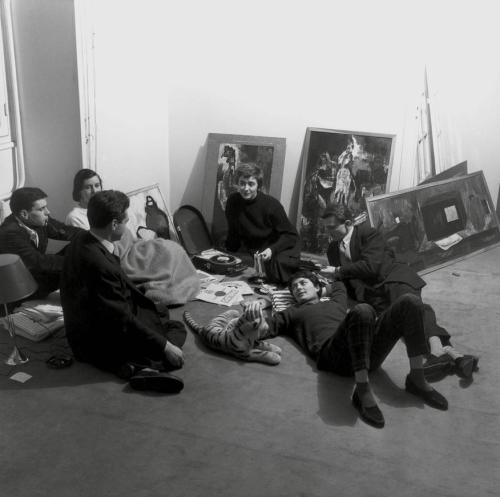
(31, 232)
(109, 246)
(347, 238)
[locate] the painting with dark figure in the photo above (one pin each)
(149, 216)
(224, 154)
(342, 166)
(156, 219)
(434, 224)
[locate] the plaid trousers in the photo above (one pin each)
(363, 342)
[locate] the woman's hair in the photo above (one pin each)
(80, 177)
(248, 170)
(105, 206)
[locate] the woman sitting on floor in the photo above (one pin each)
(258, 224)
(159, 267)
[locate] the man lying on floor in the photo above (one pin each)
(109, 322)
(353, 343)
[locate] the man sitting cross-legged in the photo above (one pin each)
(354, 342)
(109, 322)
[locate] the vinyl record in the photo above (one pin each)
(223, 259)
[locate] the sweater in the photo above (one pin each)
(258, 224)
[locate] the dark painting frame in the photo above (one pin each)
(433, 225)
(345, 166)
(224, 153)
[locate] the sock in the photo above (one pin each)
(365, 394)
(418, 379)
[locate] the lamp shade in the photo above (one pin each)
(16, 282)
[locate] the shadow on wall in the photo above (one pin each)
(193, 194)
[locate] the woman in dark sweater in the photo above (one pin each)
(258, 224)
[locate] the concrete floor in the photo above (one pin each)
(242, 429)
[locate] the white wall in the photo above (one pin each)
(273, 68)
(44, 39)
(130, 93)
(169, 73)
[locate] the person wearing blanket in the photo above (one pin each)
(161, 268)
(109, 322)
(353, 343)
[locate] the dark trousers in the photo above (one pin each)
(363, 342)
(431, 328)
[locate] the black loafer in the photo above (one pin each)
(371, 415)
(156, 381)
(464, 366)
(437, 367)
(430, 397)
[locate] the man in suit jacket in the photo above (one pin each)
(360, 258)
(109, 322)
(26, 232)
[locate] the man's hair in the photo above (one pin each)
(247, 170)
(78, 180)
(105, 206)
(24, 198)
(309, 275)
(340, 211)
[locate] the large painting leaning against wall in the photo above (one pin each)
(345, 166)
(432, 225)
(224, 154)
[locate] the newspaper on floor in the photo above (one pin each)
(215, 293)
(449, 241)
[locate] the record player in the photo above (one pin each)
(195, 237)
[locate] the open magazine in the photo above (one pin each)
(35, 319)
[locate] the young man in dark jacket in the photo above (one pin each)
(361, 259)
(109, 322)
(26, 232)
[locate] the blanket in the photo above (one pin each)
(160, 268)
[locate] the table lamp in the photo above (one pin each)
(16, 283)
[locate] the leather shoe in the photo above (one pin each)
(371, 415)
(431, 397)
(437, 367)
(464, 366)
(156, 381)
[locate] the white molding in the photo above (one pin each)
(86, 81)
(13, 93)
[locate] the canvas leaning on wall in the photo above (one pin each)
(224, 154)
(435, 224)
(342, 166)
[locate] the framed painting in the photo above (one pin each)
(343, 166)
(149, 210)
(224, 154)
(452, 172)
(432, 225)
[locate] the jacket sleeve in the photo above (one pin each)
(60, 231)
(115, 311)
(17, 241)
(371, 256)
(288, 236)
(233, 241)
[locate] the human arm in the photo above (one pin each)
(16, 240)
(60, 231)
(285, 233)
(368, 252)
(114, 303)
(233, 241)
